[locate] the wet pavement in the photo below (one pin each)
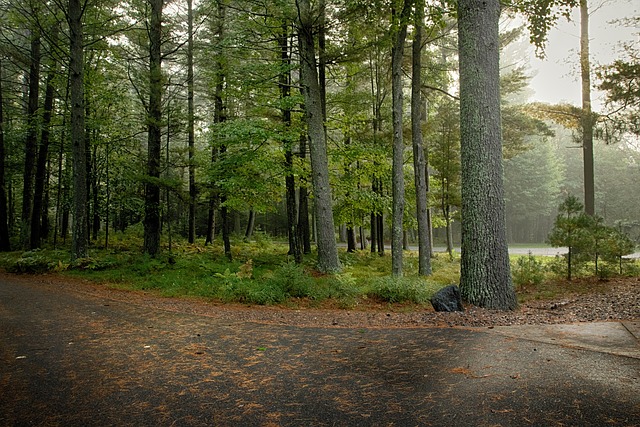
(74, 359)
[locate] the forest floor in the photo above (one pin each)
(592, 300)
(75, 353)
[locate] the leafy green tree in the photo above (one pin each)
(400, 24)
(152, 187)
(327, 249)
(419, 161)
(444, 154)
(79, 247)
(616, 245)
(620, 81)
(572, 230)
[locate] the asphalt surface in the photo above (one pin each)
(74, 359)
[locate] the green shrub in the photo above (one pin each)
(94, 264)
(291, 279)
(36, 262)
(344, 289)
(400, 289)
(528, 270)
(31, 263)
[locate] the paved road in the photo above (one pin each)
(75, 359)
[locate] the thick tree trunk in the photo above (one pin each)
(587, 120)
(5, 244)
(31, 140)
(419, 163)
(152, 188)
(327, 249)
(80, 241)
(191, 126)
(485, 272)
(397, 55)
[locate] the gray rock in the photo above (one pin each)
(447, 299)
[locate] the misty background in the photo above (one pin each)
(537, 180)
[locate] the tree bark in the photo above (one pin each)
(327, 249)
(80, 240)
(152, 188)
(248, 233)
(587, 120)
(219, 116)
(419, 163)
(485, 278)
(43, 156)
(191, 126)
(290, 185)
(397, 55)
(5, 244)
(31, 140)
(304, 228)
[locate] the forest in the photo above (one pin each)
(212, 122)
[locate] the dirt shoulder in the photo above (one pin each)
(616, 299)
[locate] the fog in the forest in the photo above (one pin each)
(537, 180)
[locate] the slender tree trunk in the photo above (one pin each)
(107, 206)
(167, 193)
(152, 188)
(5, 244)
(587, 120)
(31, 141)
(485, 278)
(191, 126)
(90, 175)
(290, 185)
(248, 233)
(419, 163)
(211, 220)
(304, 227)
(58, 218)
(327, 248)
(80, 241)
(219, 116)
(95, 193)
(397, 55)
(374, 233)
(380, 231)
(43, 157)
(226, 228)
(351, 239)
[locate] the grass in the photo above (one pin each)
(262, 273)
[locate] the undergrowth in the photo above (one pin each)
(262, 273)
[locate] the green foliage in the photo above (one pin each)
(527, 270)
(541, 17)
(587, 238)
(35, 262)
(292, 280)
(31, 262)
(401, 290)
